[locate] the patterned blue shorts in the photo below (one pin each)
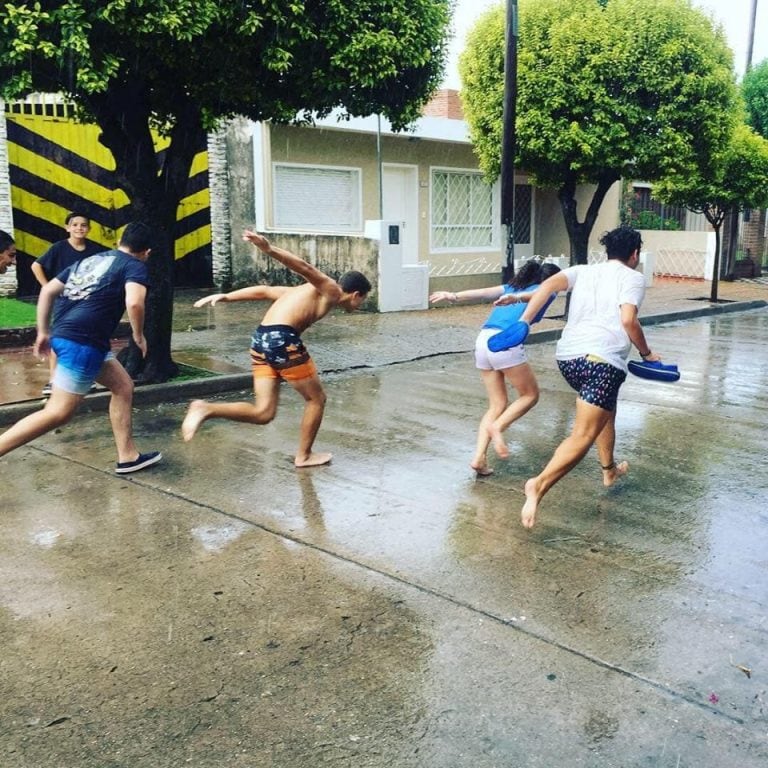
(596, 381)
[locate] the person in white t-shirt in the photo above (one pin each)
(592, 355)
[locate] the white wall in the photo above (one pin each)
(681, 254)
(8, 280)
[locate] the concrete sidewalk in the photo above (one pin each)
(224, 610)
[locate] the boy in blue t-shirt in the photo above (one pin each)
(90, 298)
(63, 254)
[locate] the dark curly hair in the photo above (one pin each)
(355, 281)
(621, 243)
(528, 274)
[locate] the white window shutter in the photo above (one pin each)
(318, 198)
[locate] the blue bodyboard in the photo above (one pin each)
(656, 371)
(510, 337)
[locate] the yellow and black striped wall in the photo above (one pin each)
(57, 165)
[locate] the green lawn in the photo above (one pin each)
(188, 373)
(20, 314)
(16, 314)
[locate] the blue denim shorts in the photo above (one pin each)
(77, 365)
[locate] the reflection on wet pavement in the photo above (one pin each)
(224, 608)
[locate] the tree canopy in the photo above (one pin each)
(736, 178)
(635, 88)
(755, 90)
(181, 65)
(264, 60)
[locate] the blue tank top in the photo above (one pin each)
(503, 317)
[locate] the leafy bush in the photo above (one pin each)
(651, 220)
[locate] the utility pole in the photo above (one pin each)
(751, 40)
(735, 219)
(508, 139)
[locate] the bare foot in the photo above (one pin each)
(499, 444)
(531, 506)
(610, 476)
(313, 460)
(197, 413)
(481, 468)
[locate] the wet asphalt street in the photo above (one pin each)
(225, 609)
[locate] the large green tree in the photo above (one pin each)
(183, 65)
(755, 90)
(735, 178)
(605, 89)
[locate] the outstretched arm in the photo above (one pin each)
(473, 294)
(251, 293)
(322, 282)
(524, 298)
(542, 296)
(513, 298)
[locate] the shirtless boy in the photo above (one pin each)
(277, 351)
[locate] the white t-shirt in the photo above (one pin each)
(594, 314)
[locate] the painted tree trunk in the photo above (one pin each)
(155, 195)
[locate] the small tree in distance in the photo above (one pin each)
(735, 179)
(628, 88)
(180, 66)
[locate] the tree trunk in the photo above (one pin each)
(579, 231)
(714, 215)
(716, 265)
(155, 197)
(158, 365)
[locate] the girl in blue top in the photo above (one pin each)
(498, 368)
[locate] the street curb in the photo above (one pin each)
(710, 309)
(168, 392)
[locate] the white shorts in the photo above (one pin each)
(486, 360)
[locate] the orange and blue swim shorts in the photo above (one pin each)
(277, 352)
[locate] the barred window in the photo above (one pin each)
(645, 212)
(462, 211)
(317, 197)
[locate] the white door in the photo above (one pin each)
(400, 190)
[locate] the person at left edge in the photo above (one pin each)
(7, 251)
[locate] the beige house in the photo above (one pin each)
(315, 189)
